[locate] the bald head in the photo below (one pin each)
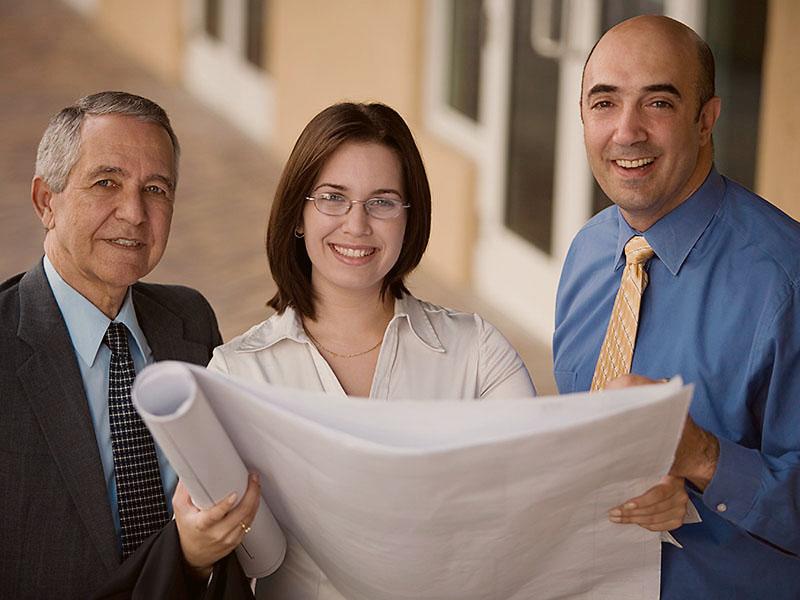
(644, 32)
(648, 113)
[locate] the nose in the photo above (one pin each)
(131, 206)
(357, 221)
(630, 127)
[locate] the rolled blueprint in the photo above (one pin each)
(504, 499)
(176, 411)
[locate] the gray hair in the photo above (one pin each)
(60, 146)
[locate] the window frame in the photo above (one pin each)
(212, 67)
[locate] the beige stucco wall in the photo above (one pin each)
(454, 222)
(778, 169)
(151, 31)
(345, 50)
(371, 50)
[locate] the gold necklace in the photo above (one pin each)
(321, 347)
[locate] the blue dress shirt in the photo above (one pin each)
(722, 310)
(87, 326)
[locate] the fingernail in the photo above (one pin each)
(629, 505)
(254, 477)
(615, 519)
(232, 498)
(615, 513)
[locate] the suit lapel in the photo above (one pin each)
(52, 382)
(164, 331)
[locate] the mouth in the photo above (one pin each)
(351, 252)
(636, 163)
(125, 243)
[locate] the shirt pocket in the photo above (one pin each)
(565, 380)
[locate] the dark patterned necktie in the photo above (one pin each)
(140, 494)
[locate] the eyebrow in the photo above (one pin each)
(343, 188)
(335, 186)
(663, 87)
(103, 169)
(165, 180)
(601, 88)
(604, 88)
(108, 169)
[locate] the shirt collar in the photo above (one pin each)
(85, 322)
(288, 325)
(412, 309)
(674, 235)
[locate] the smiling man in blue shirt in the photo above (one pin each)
(722, 307)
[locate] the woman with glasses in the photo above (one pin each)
(350, 220)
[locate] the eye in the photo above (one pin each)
(332, 198)
(382, 202)
(155, 189)
(661, 104)
(601, 104)
(105, 183)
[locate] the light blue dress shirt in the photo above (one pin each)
(87, 326)
(722, 310)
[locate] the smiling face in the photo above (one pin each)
(109, 226)
(646, 147)
(354, 252)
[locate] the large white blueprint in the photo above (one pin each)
(464, 500)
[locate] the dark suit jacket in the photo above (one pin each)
(57, 533)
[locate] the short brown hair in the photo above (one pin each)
(337, 124)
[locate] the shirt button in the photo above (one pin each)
(722, 507)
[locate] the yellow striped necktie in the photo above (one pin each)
(616, 353)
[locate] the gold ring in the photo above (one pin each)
(245, 528)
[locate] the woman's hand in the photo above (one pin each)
(208, 535)
(661, 508)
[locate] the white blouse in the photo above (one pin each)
(428, 353)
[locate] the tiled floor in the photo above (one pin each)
(48, 57)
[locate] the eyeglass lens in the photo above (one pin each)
(337, 205)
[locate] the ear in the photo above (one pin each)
(708, 117)
(42, 197)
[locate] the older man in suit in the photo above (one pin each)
(83, 484)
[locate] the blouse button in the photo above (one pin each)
(722, 507)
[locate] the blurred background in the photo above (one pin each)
(489, 87)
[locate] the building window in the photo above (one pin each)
(254, 35)
(735, 30)
(531, 136)
(212, 19)
(466, 17)
(227, 49)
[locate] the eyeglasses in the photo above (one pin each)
(336, 205)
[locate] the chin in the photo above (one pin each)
(124, 275)
(359, 286)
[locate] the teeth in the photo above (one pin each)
(632, 164)
(125, 242)
(353, 252)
